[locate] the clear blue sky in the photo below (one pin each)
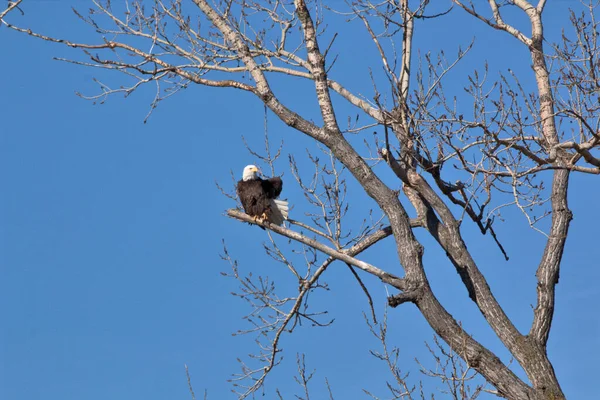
(111, 229)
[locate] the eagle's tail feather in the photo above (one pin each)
(279, 211)
(283, 206)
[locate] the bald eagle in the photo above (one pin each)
(259, 196)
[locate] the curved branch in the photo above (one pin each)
(498, 22)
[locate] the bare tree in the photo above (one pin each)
(506, 144)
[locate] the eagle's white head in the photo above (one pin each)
(250, 173)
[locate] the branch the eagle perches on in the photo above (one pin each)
(346, 255)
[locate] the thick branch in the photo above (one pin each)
(406, 51)
(537, 366)
(448, 235)
(317, 64)
(548, 270)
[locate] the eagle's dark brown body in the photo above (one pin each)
(256, 195)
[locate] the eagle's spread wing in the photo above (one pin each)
(272, 187)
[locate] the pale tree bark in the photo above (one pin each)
(511, 152)
(12, 5)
